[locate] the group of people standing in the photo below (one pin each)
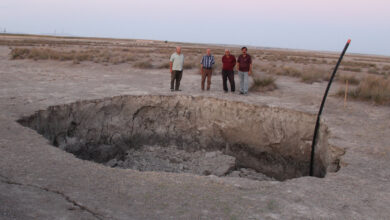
(243, 64)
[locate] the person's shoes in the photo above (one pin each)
(241, 93)
(178, 90)
(172, 90)
(208, 89)
(225, 91)
(233, 91)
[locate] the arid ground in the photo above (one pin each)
(40, 181)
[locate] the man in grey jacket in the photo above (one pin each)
(176, 68)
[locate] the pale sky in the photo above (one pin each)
(296, 24)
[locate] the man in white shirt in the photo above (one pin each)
(176, 68)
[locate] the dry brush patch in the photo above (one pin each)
(263, 83)
(353, 80)
(355, 64)
(313, 74)
(77, 56)
(307, 74)
(371, 88)
(143, 65)
(287, 71)
(353, 69)
(190, 65)
(164, 65)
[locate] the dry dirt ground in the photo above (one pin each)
(39, 181)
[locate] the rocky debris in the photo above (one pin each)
(173, 159)
(250, 174)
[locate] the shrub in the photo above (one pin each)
(375, 89)
(189, 65)
(19, 53)
(352, 69)
(312, 74)
(164, 66)
(263, 83)
(374, 71)
(351, 79)
(288, 71)
(143, 65)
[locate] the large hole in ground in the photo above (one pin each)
(199, 135)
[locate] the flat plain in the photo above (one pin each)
(39, 181)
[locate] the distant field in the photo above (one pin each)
(309, 66)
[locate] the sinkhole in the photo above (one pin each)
(186, 134)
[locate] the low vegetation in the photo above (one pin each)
(353, 69)
(143, 65)
(190, 65)
(164, 65)
(343, 78)
(263, 83)
(372, 88)
(308, 66)
(94, 55)
(288, 71)
(308, 74)
(313, 74)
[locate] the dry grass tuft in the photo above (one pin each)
(372, 88)
(313, 74)
(263, 84)
(358, 64)
(352, 69)
(374, 70)
(144, 65)
(163, 66)
(189, 65)
(351, 79)
(288, 71)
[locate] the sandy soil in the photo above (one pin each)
(38, 181)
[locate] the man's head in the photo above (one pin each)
(208, 52)
(244, 50)
(178, 49)
(227, 52)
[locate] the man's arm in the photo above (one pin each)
(201, 66)
(238, 64)
(170, 66)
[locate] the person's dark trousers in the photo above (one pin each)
(176, 76)
(228, 74)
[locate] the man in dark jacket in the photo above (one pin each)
(228, 61)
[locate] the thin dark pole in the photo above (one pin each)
(314, 142)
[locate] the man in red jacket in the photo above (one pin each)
(228, 61)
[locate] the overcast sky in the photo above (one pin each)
(297, 24)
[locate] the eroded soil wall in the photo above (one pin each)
(272, 141)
